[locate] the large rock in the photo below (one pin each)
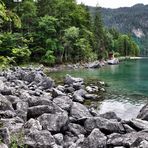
(7, 114)
(80, 92)
(6, 91)
(92, 89)
(53, 122)
(143, 114)
(46, 83)
(79, 111)
(70, 80)
(6, 109)
(106, 126)
(54, 108)
(56, 93)
(4, 135)
(2, 145)
(76, 129)
(36, 111)
(21, 105)
(2, 85)
(14, 125)
(33, 125)
(110, 115)
(39, 139)
(77, 143)
(78, 98)
(91, 96)
(139, 124)
(59, 139)
(63, 102)
(140, 143)
(69, 139)
(126, 139)
(96, 139)
(95, 64)
(14, 100)
(128, 129)
(5, 104)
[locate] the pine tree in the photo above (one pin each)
(98, 33)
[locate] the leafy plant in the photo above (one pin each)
(21, 54)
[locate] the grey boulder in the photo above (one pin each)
(33, 124)
(110, 115)
(70, 80)
(96, 139)
(126, 139)
(105, 125)
(53, 122)
(143, 114)
(79, 111)
(139, 124)
(5, 135)
(36, 111)
(63, 102)
(76, 129)
(39, 139)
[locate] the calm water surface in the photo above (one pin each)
(128, 83)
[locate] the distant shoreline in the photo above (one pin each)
(131, 58)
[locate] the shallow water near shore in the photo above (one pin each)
(128, 86)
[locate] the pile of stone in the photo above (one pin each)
(36, 113)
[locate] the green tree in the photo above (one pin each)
(70, 37)
(28, 15)
(98, 33)
(3, 14)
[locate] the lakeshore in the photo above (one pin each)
(35, 112)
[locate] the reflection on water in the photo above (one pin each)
(129, 79)
(114, 68)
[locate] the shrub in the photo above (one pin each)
(21, 55)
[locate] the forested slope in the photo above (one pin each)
(57, 31)
(133, 20)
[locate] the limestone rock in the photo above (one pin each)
(96, 139)
(79, 111)
(53, 122)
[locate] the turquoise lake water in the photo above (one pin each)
(128, 86)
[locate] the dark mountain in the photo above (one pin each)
(132, 20)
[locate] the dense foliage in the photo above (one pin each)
(56, 31)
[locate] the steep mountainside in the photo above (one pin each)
(133, 20)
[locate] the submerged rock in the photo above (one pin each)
(71, 80)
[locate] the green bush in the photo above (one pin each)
(21, 55)
(48, 58)
(4, 61)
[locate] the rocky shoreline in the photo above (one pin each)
(37, 113)
(95, 64)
